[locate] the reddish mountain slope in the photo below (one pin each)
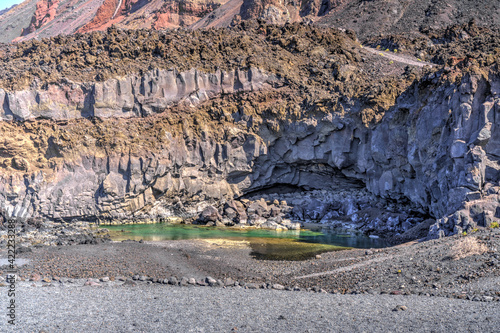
(46, 18)
(53, 17)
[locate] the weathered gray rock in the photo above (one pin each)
(210, 214)
(173, 280)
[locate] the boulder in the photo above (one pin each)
(210, 214)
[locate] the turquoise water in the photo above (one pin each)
(265, 244)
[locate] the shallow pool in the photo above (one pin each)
(264, 244)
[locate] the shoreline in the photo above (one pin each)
(418, 268)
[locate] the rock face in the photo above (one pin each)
(45, 12)
(357, 139)
(130, 96)
(156, 14)
(436, 149)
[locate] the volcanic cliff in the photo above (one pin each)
(132, 125)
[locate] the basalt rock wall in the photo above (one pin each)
(130, 96)
(436, 149)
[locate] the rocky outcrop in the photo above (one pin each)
(130, 96)
(106, 12)
(155, 14)
(309, 110)
(45, 12)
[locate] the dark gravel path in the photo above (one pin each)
(158, 308)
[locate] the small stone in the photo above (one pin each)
(210, 280)
(278, 286)
(35, 277)
(400, 308)
(184, 281)
(192, 281)
(91, 283)
(228, 282)
(252, 286)
(173, 281)
(129, 283)
(318, 256)
(47, 280)
(105, 279)
(143, 278)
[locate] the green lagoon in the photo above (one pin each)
(265, 244)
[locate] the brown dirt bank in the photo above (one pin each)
(425, 268)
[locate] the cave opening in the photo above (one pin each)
(277, 188)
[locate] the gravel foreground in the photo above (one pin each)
(446, 285)
(156, 308)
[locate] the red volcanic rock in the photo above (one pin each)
(156, 14)
(104, 14)
(45, 12)
(182, 13)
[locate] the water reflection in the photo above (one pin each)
(160, 231)
(265, 244)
